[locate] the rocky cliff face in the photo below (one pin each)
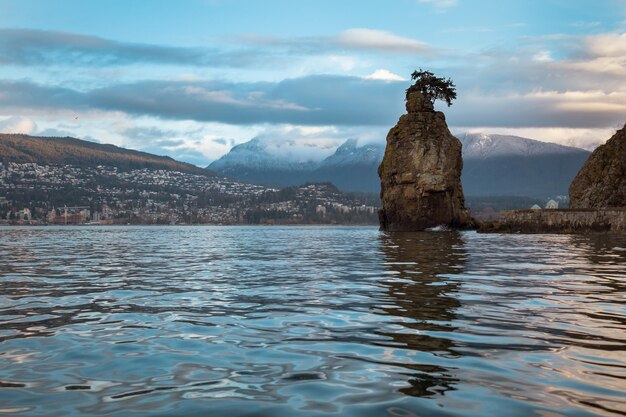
(421, 172)
(601, 182)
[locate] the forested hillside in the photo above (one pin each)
(70, 151)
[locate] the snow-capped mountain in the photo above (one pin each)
(258, 154)
(481, 145)
(493, 165)
(350, 153)
(350, 167)
(267, 162)
(512, 165)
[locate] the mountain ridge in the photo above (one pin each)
(493, 165)
(475, 145)
(45, 150)
(251, 161)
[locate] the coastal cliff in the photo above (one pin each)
(421, 172)
(601, 181)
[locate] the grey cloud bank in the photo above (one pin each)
(38, 47)
(518, 87)
(315, 101)
(30, 47)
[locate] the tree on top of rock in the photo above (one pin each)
(433, 88)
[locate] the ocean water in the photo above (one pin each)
(310, 321)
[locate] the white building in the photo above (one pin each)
(552, 205)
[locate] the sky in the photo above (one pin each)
(192, 78)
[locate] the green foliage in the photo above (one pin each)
(432, 87)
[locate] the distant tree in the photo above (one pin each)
(432, 87)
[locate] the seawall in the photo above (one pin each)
(558, 221)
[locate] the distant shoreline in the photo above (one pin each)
(189, 225)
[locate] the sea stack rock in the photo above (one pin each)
(601, 182)
(421, 172)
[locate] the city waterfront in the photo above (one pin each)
(310, 321)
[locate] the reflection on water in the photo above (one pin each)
(425, 300)
(310, 321)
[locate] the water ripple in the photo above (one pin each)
(309, 321)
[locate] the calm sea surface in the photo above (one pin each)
(310, 321)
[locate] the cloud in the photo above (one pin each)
(605, 46)
(557, 82)
(523, 87)
(28, 47)
(149, 133)
(384, 75)
(584, 101)
(222, 141)
(354, 39)
(321, 101)
(380, 41)
(191, 144)
(57, 133)
(17, 125)
(301, 143)
(27, 95)
(153, 138)
(572, 109)
(577, 137)
(199, 149)
(313, 100)
(581, 57)
(440, 4)
(585, 25)
(542, 56)
(40, 48)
